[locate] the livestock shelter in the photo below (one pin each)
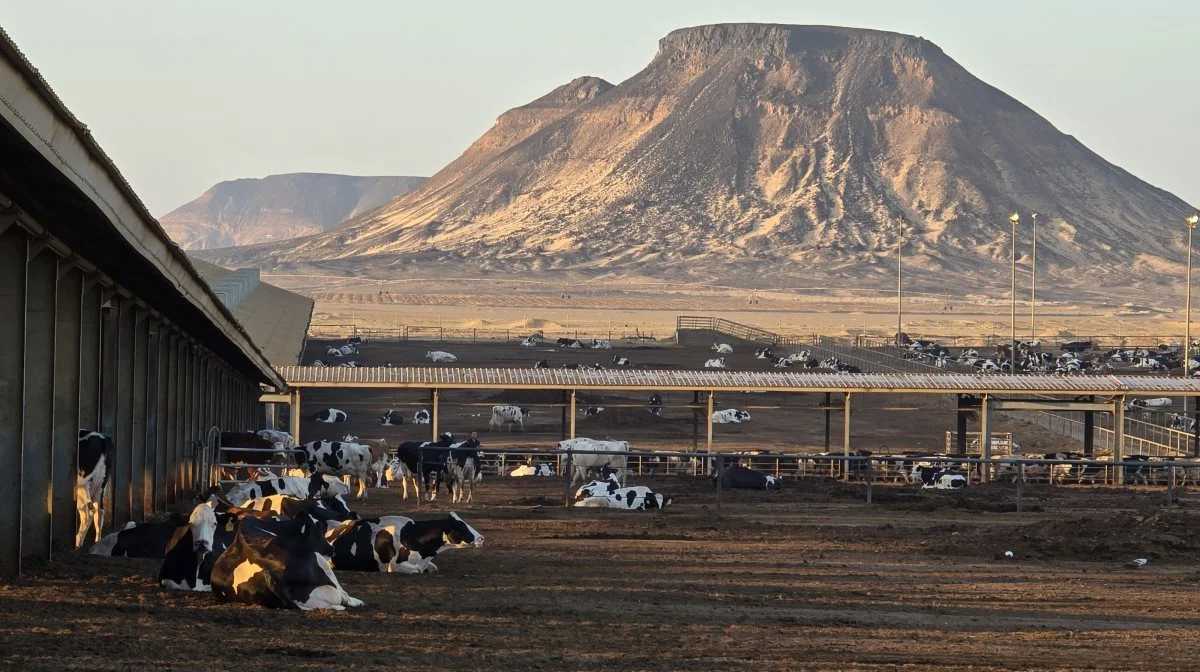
(104, 324)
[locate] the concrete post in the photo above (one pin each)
(12, 348)
(65, 441)
(37, 459)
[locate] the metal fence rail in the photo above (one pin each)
(441, 334)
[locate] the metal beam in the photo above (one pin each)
(709, 420)
(433, 421)
(274, 398)
(65, 440)
(119, 480)
(155, 422)
(12, 366)
(846, 433)
(109, 398)
(1023, 405)
(294, 416)
(1119, 439)
(985, 438)
(138, 443)
(37, 427)
(172, 415)
(572, 414)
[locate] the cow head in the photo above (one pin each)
(743, 415)
(657, 501)
(333, 507)
(773, 483)
(458, 534)
(607, 473)
(350, 438)
(203, 522)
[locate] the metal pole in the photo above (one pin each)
(294, 416)
(828, 411)
(985, 438)
(1119, 441)
(1012, 344)
(710, 421)
(1187, 320)
(846, 435)
(433, 420)
(1033, 286)
(900, 287)
(572, 414)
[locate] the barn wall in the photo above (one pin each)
(78, 351)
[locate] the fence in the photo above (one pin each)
(468, 334)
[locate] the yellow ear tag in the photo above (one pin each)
(445, 538)
(229, 525)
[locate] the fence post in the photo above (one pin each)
(1020, 484)
(567, 473)
(870, 478)
(1170, 486)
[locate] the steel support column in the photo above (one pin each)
(294, 415)
(65, 441)
(12, 364)
(985, 436)
(828, 418)
(37, 456)
(156, 424)
(1119, 439)
(433, 419)
(572, 414)
(709, 420)
(172, 415)
(137, 465)
(89, 357)
(119, 481)
(1089, 433)
(109, 400)
(846, 434)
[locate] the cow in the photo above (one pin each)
(782, 363)
(418, 456)
(348, 349)
(763, 353)
(292, 486)
(191, 553)
(400, 544)
(606, 486)
(601, 344)
(541, 364)
(440, 357)
(800, 357)
(569, 343)
(330, 416)
(147, 539)
(287, 571)
(508, 415)
(622, 361)
(349, 364)
(337, 458)
(318, 363)
(1182, 422)
(539, 469)
(356, 340)
(591, 410)
(94, 455)
(379, 455)
(718, 363)
(741, 477)
(462, 469)
(730, 415)
(636, 498)
(529, 342)
(391, 418)
(1155, 402)
(282, 440)
(257, 452)
(421, 417)
(584, 456)
(330, 508)
(945, 479)
(722, 348)
(654, 405)
(333, 352)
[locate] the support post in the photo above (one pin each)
(294, 416)
(137, 463)
(985, 437)
(119, 477)
(564, 415)
(572, 414)
(37, 427)
(433, 420)
(1089, 433)
(846, 435)
(12, 347)
(67, 348)
(1119, 440)
(961, 437)
(710, 421)
(828, 413)
(695, 421)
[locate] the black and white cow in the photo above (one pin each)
(440, 357)
(601, 344)
(423, 456)
(591, 410)
(722, 348)
(636, 498)
(330, 508)
(91, 481)
(330, 415)
(730, 415)
(392, 417)
(654, 405)
(338, 458)
(782, 363)
(462, 469)
(147, 539)
(317, 485)
(356, 340)
(287, 571)
(741, 477)
(539, 469)
(508, 415)
(763, 353)
(715, 363)
(400, 544)
(421, 417)
(541, 364)
(609, 484)
(191, 553)
(622, 361)
(569, 343)
(529, 342)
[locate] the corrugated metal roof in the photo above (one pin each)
(275, 318)
(625, 379)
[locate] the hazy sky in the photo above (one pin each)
(185, 94)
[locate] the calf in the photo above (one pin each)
(421, 417)
(399, 544)
(717, 363)
(508, 415)
(330, 415)
(730, 415)
(288, 571)
(338, 458)
(440, 357)
(741, 477)
(722, 348)
(392, 417)
(91, 482)
(636, 498)
(655, 404)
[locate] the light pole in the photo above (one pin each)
(1033, 286)
(1012, 355)
(1187, 318)
(900, 288)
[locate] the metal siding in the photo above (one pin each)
(89, 354)
(12, 348)
(162, 457)
(37, 457)
(172, 415)
(137, 463)
(150, 466)
(65, 441)
(123, 440)
(108, 400)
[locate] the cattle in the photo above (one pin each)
(529, 342)
(730, 415)
(287, 571)
(348, 349)
(328, 508)
(743, 478)
(190, 553)
(421, 417)
(539, 469)
(440, 357)
(508, 415)
(282, 440)
(391, 418)
(655, 404)
(608, 485)
(94, 455)
(1182, 422)
(257, 451)
(584, 456)
(800, 357)
(330, 416)
(356, 340)
(418, 456)
(147, 539)
(782, 363)
(1155, 402)
(379, 455)
(722, 348)
(591, 410)
(284, 485)
(333, 352)
(541, 364)
(569, 343)
(763, 353)
(349, 364)
(462, 469)
(945, 479)
(622, 361)
(601, 344)
(318, 363)
(718, 363)
(340, 458)
(636, 498)
(400, 544)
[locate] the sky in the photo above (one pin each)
(184, 95)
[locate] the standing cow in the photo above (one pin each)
(340, 458)
(587, 454)
(91, 482)
(508, 415)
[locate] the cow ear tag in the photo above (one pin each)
(445, 538)
(229, 525)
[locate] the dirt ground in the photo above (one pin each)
(808, 578)
(880, 423)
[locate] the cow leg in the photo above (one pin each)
(98, 516)
(85, 521)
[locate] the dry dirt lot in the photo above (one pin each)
(808, 578)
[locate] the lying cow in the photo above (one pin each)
(317, 485)
(508, 415)
(330, 415)
(722, 348)
(529, 342)
(730, 415)
(636, 498)
(440, 357)
(399, 544)
(392, 417)
(287, 571)
(190, 553)
(330, 508)
(338, 458)
(601, 344)
(741, 477)
(591, 410)
(146, 539)
(944, 479)
(539, 469)
(91, 481)
(622, 361)
(716, 363)
(608, 485)
(421, 417)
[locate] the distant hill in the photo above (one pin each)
(745, 153)
(278, 207)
